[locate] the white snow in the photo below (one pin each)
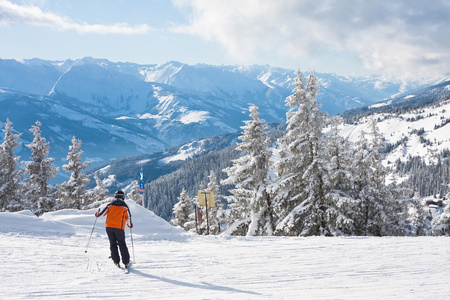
(45, 258)
(144, 161)
(185, 152)
(194, 117)
(147, 116)
(110, 180)
(380, 104)
(124, 118)
(394, 128)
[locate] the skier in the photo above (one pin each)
(118, 214)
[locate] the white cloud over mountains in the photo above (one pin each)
(402, 38)
(407, 39)
(11, 13)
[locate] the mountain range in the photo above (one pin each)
(124, 109)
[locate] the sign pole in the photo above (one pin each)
(196, 218)
(207, 218)
(208, 202)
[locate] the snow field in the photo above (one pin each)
(170, 264)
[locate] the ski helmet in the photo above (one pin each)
(120, 194)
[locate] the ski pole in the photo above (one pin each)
(90, 235)
(132, 246)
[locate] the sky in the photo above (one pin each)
(404, 39)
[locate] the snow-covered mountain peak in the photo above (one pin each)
(152, 107)
(162, 73)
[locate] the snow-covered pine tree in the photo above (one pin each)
(361, 175)
(406, 214)
(418, 218)
(312, 213)
(391, 210)
(72, 193)
(251, 208)
(98, 193)
(216, 214)
(302, 180)
(191, 224)
(134, 193)
(340, 218)
(10, 174)
(376, 208)
(39, 170)
(182, 210)
(238, 212)
(441, 223)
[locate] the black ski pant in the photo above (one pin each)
(117, 238)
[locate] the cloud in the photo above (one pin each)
(402, 38)
(15, 14)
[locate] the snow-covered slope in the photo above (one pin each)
(44, 258)
(424, 132)
(72, 222)
(413, 125)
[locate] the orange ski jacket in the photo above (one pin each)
(117, 214)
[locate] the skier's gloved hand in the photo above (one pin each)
(97, 214)
(129, 223)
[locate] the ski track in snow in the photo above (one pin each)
(169, 264)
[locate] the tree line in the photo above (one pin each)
(28, 188)
(311, 182)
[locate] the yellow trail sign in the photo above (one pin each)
(209, 197)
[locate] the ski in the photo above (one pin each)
(125, 269)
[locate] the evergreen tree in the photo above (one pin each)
(417, 218)
(406, 216)
(377, 210)
(361, 174)
(250, 205)
(238, 213)
(216, 214)
(10, 174)
(389, 212)
(441, 223)
(135, 194)
(72, 193)
(302, 181)
(182, 211)
(98, 193)
(312, 212)
(339, 218)
(39, 170)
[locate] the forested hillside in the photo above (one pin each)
(161, 194)
(425, 119)
(416, 173)
(425, 176)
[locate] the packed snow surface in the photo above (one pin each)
(45, 258)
